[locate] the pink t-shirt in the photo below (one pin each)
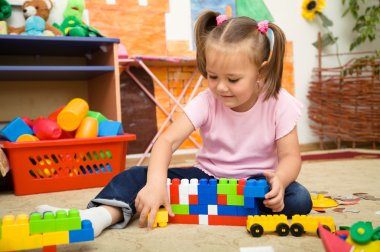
(241, 144)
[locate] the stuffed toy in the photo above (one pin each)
(34, 26)
(40, 8)
(73, 24)
(5, 10)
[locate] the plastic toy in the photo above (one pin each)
(362, 237)
(46, 129)
(97, 115)
(27, 138)
(88, 128)
(14, 129)
(72, 115)
(36, 231)
(110, 128)
(270, 223)
(3, 28)
(208, 202)
(320, 201)
(162, 218)
(256, 225)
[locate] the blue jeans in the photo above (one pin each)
(122, 190)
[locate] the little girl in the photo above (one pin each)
(246, 120)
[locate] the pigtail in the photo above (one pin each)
(273, 69)
(205, 23)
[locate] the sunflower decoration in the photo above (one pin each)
(312, 7)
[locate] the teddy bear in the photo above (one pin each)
(39, 8)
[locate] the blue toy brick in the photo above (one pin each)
(256, 188)
(262, 188)
(242, 211)
(86, 233)
(227, 210)
(207, 192)
(14, 129)
(110, 128)
(198, 209)
(207, 199)
(249, 202)
(207, 186)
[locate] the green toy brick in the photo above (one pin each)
(97, 115)
(232, 187)
(67, 221)
(222, 186)
(41, 224)
(235, 200)
(180, 209)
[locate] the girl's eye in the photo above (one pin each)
(212, 77)
(233, 80)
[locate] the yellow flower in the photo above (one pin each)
(311, 7)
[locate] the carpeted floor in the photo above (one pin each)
(338, 177)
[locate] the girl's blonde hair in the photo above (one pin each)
(242, 32)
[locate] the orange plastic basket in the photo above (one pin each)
(69, 164)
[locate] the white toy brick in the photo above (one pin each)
(168, 183)
(193, 188)
(203, 219)
(184, 192)
(212, 209)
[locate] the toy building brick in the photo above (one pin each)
(213, 202)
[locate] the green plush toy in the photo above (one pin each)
(73, 24)
(5, 10)
(74, 8)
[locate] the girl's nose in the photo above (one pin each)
(221, 87)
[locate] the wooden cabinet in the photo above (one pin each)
(41, 74)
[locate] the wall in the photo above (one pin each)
(287, 15)
(303, 34)
(175, 16)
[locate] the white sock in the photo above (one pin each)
(99, 216)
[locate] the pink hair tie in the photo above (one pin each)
(221, 19)
(262, 26)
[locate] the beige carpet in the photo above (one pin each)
(339, 177)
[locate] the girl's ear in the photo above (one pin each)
(263, 64)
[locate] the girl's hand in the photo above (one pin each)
(274, 199)
(148, 201)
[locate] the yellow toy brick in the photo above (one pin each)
(3, 28)
(15, 227)
(309, 223)
(162, 218)
(15, 234)
(257, 224)
(55, 238)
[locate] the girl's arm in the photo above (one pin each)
(154, 193)
(289, 166)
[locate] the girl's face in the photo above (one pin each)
(233, 79)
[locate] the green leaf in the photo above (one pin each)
(326, 22)
(326, 40)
